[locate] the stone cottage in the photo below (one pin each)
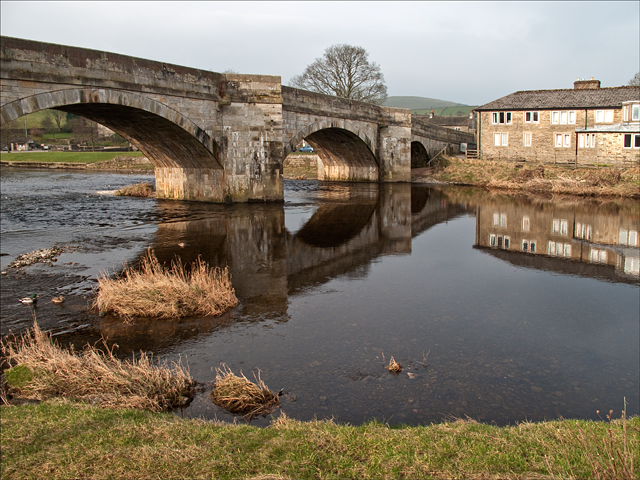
(584, 125)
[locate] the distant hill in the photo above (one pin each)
(424, 105)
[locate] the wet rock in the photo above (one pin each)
(45, 255)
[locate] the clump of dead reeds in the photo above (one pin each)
(95, 376)
(394, 367)
(138, 190)
(154, 290)
(238, 395)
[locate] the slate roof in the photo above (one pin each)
(611, 97)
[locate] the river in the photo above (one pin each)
(502, 308)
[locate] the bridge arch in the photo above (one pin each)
(419, 155)
(165, 136)
(348, 153)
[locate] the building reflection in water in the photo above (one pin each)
(574, 236)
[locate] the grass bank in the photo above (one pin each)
(60, 439)
(604, 181)
(66, 157)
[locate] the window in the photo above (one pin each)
(499, 241)
(496, 219)
(634, 109)
(501, 139)
(564, 227)
(628, 238)
(598, 256)
(555, 117)
(503, 220)
(563, 139)
(587, 140)
(527, 139)
(525, 223)
(631, 140)
(501, 118)
(563, 118)
(604, 116)
(572, 118)
(531, 117)
(583, 231)
(529, 246)
(558, 139)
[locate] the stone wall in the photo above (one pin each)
(608, 146)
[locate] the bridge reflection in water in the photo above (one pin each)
(495, 354)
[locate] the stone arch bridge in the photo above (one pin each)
(211, 136)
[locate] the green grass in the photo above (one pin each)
(66, 157)
(59, 439)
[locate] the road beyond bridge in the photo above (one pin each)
(216, 137)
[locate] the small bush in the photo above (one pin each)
(42, 370)
(155, 291)
(137, 190)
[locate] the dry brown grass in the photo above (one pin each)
(138, 190)
(95, 376)
(606, 181)
(240, 396)
(394, 366)
(153, 290)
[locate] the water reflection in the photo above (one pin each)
(570, 236)
(519, 319)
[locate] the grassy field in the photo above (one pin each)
(58, 439)
(65, 157)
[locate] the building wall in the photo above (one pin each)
(608, 146)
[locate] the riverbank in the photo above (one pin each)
(60, 439)
(534, 178)
(116, 161)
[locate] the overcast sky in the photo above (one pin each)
(466, 52)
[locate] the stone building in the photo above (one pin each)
(584, 125)
(458, 122)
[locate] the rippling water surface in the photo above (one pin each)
(501, 308)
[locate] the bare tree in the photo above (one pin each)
(635, 81)
(344, 71)
(58, 117)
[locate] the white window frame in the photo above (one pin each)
(507, 118)
(505, 139)
(572, 117)
(566, 140)
(635, 112)
(534, 117)
(634, 140)
(558, 140)
(587, 140)
(599, 116)
(604, 116)
(526, 223)
(555, 118)
(496, 139)
(563, 118)
(527, 139)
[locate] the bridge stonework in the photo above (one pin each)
(210, 136)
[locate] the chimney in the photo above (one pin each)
(586, 84)
(431, 114)
(471, 114)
